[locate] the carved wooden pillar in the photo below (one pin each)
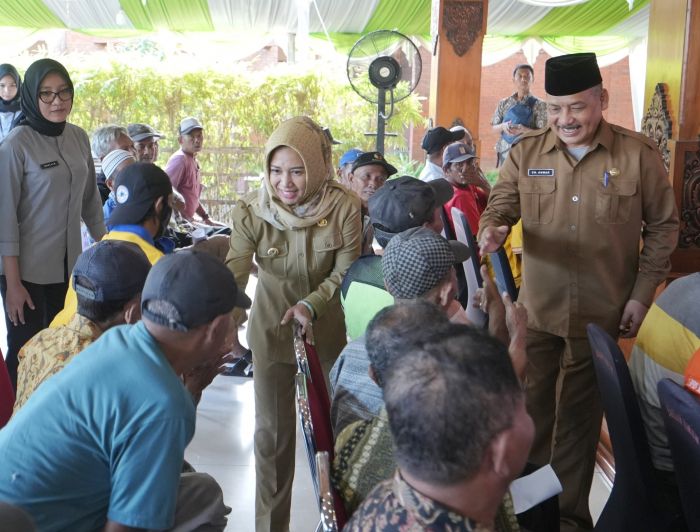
(457, 29)
(673, 116)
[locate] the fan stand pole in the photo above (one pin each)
(381, 110)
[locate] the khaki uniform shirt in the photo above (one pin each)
(294, 264)
(49, 351)
(581, 250)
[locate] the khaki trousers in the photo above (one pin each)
(275, 441)
(563, 400)
(200, 504)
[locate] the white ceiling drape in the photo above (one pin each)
(511, 17)
(89, 15)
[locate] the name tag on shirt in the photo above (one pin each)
(540, 172)
(49, 165)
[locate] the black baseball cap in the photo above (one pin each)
(136, 188)
(438, 137)
(373, 157)
(194, 286)
(405, 202)
(116, 271)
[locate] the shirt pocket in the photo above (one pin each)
(272, 257)
(537, 199)
(614, 202)
(324, 248)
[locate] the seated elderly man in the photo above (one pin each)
(100, 445)
(108, 278)
(345, 166)
(417, 264)
(451, 475)
(364, 453)
(401, 204)
(143, 195)
(434, 143)
(145, 142)
(104, 140)
(113, 163)
(369, 173)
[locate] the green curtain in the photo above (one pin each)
(29, 14)
(175, 15)
(411, 18)
(589, 18)
(601, 45)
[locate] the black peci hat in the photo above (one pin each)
(571, 74)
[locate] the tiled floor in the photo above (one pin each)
(223, 447)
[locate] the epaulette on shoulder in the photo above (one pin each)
(634, 134)
(250, 197)
(530, 134)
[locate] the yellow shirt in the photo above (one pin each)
(49, 351)
(70, 306)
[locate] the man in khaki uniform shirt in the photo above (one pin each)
(586, 190)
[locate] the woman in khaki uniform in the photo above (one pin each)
(304, 231)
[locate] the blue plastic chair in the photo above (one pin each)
(504, 274)
(681, 412)
(631, 506)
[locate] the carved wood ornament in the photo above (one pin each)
(656, 123)
(462, 22)
(690, 202)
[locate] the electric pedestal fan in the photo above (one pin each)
(384, 66)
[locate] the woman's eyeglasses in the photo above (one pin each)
(49, 96)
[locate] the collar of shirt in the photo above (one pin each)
(427, 512)
(603, 136)
(514, 96)
(138, 230)
(84, 327)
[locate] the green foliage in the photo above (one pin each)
(491, 176)
(238, 111)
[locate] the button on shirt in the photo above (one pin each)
(47, 184)
(581, 232)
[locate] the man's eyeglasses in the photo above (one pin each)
(49, 96)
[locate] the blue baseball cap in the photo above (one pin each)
(349, 157)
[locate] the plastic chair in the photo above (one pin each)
(7, 393)
(632, 505)
(462, 287)
(504, 274)
(681, 412)
(470, 266)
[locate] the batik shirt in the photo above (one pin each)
(394, 506)
(49, 351)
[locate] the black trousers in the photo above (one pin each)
(48, 301)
